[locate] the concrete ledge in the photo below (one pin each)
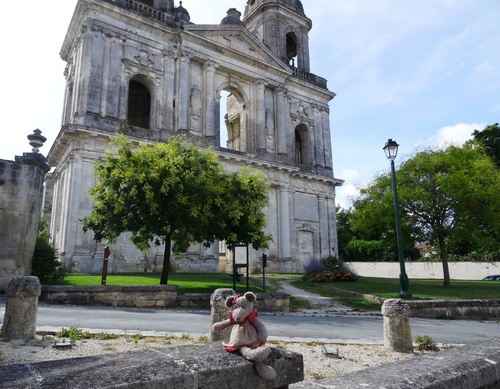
(149, 296)
(205, 366)
(471, 367)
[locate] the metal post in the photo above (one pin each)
(105, 265)
(403, 278)
(264, 264)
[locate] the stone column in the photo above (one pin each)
(210, 101)
(318, 132)
(21, 309)
(284, 220)
(397, 331)
(261, 115)
(218, 310)
(183, 93)
(281, 112)
(327, 140)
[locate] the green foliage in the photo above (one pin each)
(489, 138)
(358, 250)
(175, 193)
(452, 195)
(45, 264)
(475, 256)
(344, 230)
(426, 343)
(73, 334)
(373, 225)
(448, 197)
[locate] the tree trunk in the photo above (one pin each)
(166, 261)
(443, 254)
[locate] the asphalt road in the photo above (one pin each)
(345, 328)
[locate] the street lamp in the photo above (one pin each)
(391, 151)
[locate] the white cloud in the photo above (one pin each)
(349, 174)
(345, 194)
(457, 134)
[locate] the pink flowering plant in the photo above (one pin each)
(329, 269)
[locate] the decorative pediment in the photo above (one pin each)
(239, 41)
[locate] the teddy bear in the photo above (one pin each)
(246, 334)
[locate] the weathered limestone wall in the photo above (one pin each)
(150, 296)
(21, 193)
(183, 367)
(458, 270)
(472, 367)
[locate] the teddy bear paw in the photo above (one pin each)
(265, 371)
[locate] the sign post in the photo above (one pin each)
(240, 261)
(105, 265)
(264, 265)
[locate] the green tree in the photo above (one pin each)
(373, 224)
(175, 194)
(489, 138)
(45, 264)
(344, 231)
(450, 194)
(448, 197)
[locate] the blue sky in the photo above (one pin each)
(422, 72)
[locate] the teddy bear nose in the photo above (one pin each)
(238, 314)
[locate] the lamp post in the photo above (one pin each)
(391, 151)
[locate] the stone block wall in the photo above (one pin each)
(21, 194)
(149, 296)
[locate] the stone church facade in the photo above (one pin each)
(242, 87)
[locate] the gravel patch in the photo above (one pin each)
(321, 360)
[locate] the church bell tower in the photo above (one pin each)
(283, 26)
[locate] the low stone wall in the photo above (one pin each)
(455, 309)
(443, 309)
(205, 366)
(472, 367)
(149, 296)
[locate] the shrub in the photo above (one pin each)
(314, 266)
(329, 269)
(44, 264)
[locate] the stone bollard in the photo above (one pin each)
(397, 331)
(218, 310)
(21, 310)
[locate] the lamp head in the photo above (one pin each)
(391, 149)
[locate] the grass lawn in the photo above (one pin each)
(187, 282)
(425, 289)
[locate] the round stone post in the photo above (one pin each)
(218, 310)
(21, 309)
(397, 331)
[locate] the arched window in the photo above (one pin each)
(232, 130)
(298, 148)
(139, 105)
(301, 145)
(291, 48)
(151, 3)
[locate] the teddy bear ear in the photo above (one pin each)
(229, 301)
(250, 296)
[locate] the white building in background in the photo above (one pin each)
(242, 87)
